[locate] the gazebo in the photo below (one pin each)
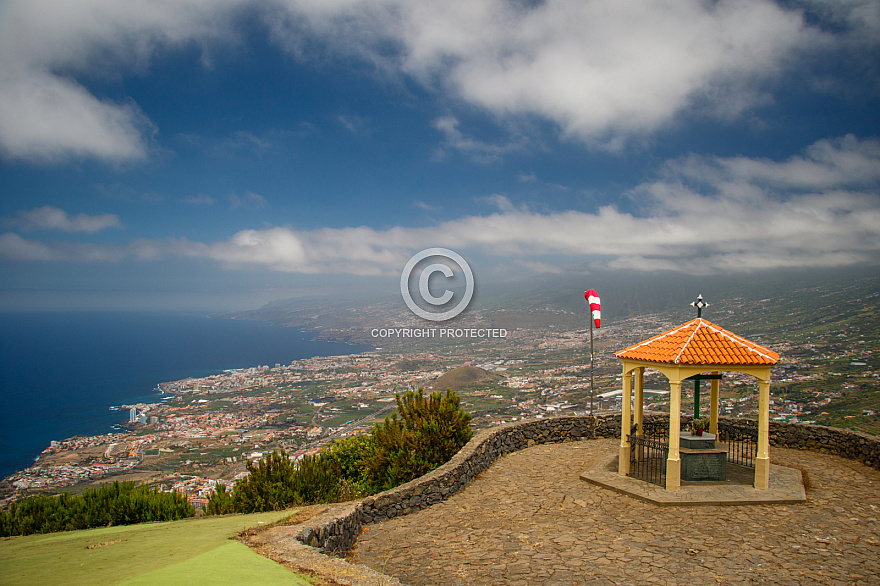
(695, 349)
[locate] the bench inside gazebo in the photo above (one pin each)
(695, 351)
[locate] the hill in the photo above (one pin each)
(462, 378)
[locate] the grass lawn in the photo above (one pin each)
(191, 551)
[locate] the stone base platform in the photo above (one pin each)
(786, 487)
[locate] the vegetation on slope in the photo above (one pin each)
(107, 505)
(428, 433)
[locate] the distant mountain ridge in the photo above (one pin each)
(747, 301)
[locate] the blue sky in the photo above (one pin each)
(218, 154)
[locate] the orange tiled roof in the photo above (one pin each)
(700, 342)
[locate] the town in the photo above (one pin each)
(202, 431)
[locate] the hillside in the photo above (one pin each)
(461, 378)
(546, 302)
(191, 551)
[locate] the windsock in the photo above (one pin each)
(593, 298)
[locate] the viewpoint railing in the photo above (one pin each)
(647, 459)
(649, 450)
(742, 443)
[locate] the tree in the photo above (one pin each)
(431, 431)
(352, 453)
(276, 482)
(220, 502)
(268, 487)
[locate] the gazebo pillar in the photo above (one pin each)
(713, 406)
(673, 461)
(762, 461)
(625, 423)
(638, 418)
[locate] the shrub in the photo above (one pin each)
(119, 503)
(431, 431)
(267, 488)
(220, 502)
(352, 454)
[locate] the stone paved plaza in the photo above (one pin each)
(530, 520)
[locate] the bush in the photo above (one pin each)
(276, 482)
(431, 431)
(119, 503)
(352, 454)
(220, 502)
(267, 488)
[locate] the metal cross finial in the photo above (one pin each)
(699, 304)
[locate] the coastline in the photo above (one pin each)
(63, 371)
(162, 427)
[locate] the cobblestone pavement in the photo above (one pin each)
(530, 520)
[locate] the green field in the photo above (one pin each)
(188, 552)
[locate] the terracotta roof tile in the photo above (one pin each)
(700, 342)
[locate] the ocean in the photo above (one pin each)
(61, 372)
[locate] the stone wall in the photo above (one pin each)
(853, 445)
(338, 530)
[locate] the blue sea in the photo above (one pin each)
(61, 372)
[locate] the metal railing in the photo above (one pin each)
(658, 429)
(742, 443)
(647, 459)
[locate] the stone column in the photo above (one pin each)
(713, 406)
(625, 423)
(762, 461)
(673, 462)
(639, 416)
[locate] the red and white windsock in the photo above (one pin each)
(593, 298)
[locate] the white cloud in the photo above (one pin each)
(15, 248)
(44, 117)
(480, 151)
(45, 113)
(248, 200)
(826, 164)
(201, 199)
(52, 218)
(422, 205)
(603, 73)
(354, 124)
(702, 215)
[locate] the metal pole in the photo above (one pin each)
(591, 373)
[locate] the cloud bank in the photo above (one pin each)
(700, 215)
(52, 218)
(602, 73)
